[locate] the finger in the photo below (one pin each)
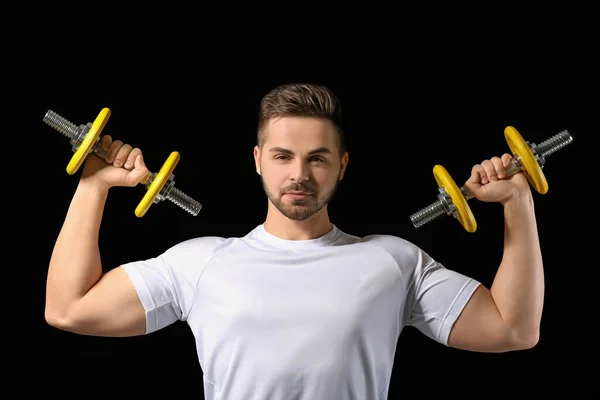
(490, 170)
(130, 162)
(122, 155)
(105, 142)
(506, 160)
(478, 175)
(500, 171)
(112, 151)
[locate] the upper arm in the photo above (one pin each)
(480, 326)
(111, 307)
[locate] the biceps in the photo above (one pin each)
(480, 326)
(110, 308)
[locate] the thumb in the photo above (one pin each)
(474, 179)
(139, 162)
(473, 184)
(139, 171)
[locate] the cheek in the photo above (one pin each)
(273, 180)
(324, 177)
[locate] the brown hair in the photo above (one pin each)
(301, 100)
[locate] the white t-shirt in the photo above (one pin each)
(319, 319)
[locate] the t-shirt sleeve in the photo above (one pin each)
(166, 284)
(436, 297)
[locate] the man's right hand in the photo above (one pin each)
(124, 165)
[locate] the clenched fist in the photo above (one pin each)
(488, 181)
(123, 166)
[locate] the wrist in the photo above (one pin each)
(520, 201)
(93, 186)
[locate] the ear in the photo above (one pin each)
(257, 159)
(344, 164)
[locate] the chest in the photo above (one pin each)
(265, 291)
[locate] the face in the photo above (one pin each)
(300, 155)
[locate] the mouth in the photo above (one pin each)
(298, 195)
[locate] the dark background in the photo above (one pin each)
(424, 88)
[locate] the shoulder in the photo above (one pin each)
(200, 248)
(197, 252)
(401, 250)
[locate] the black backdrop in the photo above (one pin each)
(413, 98)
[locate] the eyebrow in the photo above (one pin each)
(320, 150)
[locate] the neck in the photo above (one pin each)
(281, 226)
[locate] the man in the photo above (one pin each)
(296, 308)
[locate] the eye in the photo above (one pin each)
(285, 157)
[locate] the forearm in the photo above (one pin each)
(518, 288)
(75, 265)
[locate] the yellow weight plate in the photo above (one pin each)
(532, 169)
(465, 215)
(157, 184)
(89, 141)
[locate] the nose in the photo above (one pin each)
(300, 173)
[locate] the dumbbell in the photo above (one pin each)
(85, 139)
(528, 158)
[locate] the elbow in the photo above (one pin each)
(55, 318)
(531, 341)
(525, 341)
